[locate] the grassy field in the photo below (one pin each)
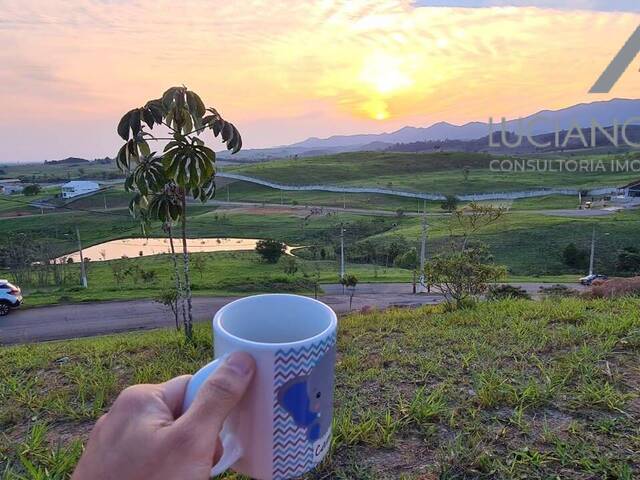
(232, 273)
(17, 204)
(39, 172)
(508, 390)
(238, 191)
(531, 244)
(433, 172)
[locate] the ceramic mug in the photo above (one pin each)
(282, 427)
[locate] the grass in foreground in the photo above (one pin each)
(514, 389)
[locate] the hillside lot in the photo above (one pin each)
(446, 173)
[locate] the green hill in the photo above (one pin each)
(447, 173)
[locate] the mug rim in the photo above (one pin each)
(218, 327)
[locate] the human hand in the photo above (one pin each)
(143, 435)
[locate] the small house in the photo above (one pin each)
(632, 190)
(10, 187)
(77, 187)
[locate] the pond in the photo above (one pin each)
(144, 247)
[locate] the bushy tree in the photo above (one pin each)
(32, 190)
(270, 250)
(463, 275)
(169, 298)
(350, 282)
(450, 203)
(407, 260)
(186, 168)
(628, 260)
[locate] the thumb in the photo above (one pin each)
(219, 394)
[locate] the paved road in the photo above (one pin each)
(88, 319)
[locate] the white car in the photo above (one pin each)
(589, 279)
(10, 297)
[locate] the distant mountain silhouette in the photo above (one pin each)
(604, 112)
(545, 121)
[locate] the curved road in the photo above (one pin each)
(88, 319)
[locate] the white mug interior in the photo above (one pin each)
(275, 318)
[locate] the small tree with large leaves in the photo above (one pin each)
(186, 168)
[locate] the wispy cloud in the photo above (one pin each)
(288, 69)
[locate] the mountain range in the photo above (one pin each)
(545, 121)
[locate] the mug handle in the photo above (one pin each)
(231, 446)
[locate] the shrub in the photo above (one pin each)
(616, 287)
(574, 257)
(450, 203)
(289, 265)
(500, 292)
(31, 190)
(628, 260)
(270, 250)
(558, 291)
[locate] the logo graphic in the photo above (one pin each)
(618, 65)
(302, 418)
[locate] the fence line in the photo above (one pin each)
(423, 196)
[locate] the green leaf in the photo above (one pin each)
(195, 104)
(134, 122)
(169, 96)
(147, 116)
(123, 126)
(157, 110)
(171, 145)
(128, 183)
(143, 146)
(217, 126)
(186, 121)
(227, 132)
(121, 159)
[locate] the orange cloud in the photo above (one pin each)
(289, 69)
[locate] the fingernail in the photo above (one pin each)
(240, 362)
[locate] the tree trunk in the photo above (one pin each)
(187, 281)
(176, 272)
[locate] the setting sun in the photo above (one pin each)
(384, 73)
(383, 76)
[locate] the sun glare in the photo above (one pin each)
(384, 73)
(382, 76)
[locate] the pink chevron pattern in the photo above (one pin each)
(292, 452)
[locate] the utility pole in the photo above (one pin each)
(344, 201)
(593, 250)
(422, 288)
(227, 192)
(83, 273)
(341, 251)
(104, 197)
(281, 198)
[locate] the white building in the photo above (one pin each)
(77, 187)
(10, 186)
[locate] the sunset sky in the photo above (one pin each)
(284, 70)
